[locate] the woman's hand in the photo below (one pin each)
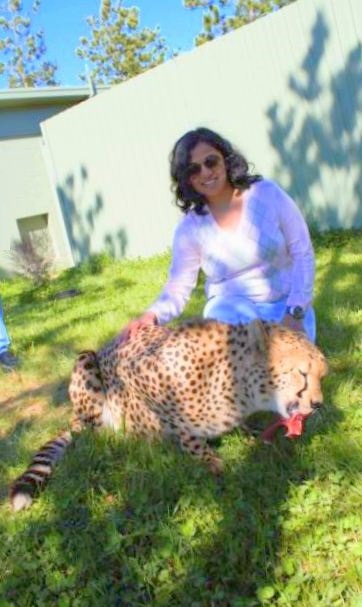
(293, 323)
(130, 330)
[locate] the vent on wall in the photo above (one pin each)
(34, 228)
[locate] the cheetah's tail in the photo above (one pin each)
(85, 377)
(36, 475)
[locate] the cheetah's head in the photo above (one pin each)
(292, 369)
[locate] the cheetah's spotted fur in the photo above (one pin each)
(195, 382)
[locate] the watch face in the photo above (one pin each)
(297, 312)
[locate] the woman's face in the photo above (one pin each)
(206, 172)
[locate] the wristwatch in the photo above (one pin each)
(296, 311)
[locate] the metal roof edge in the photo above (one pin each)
(21, 97)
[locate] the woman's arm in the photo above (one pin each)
(182, 278)
(183, 273)
(300, 249)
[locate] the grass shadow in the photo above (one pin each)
(55, 392)
(138, 524)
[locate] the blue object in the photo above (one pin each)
(234, 310)
(4, 337)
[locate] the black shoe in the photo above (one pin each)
(8, 361)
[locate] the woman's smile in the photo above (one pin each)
(208, 172)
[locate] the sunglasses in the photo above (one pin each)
(195, 168)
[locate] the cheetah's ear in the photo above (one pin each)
(258, 336)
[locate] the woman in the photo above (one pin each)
(244, 232)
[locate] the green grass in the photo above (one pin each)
(125, 523)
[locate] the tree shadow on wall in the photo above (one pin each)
(81, 218)
(319, 134)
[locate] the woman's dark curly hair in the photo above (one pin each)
(237, 168)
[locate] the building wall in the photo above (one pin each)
(24, 121)
(286, 89)
(28, 197)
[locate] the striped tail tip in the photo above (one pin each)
(21, 500)
(36, 475)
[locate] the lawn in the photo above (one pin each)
(124, 523)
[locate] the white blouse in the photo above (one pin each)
(267, 257)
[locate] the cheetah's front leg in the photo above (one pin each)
(198, 447)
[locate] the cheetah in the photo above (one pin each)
(193, 382)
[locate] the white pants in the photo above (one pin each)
(234, 310)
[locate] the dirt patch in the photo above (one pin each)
(32, 395)
(33, 410)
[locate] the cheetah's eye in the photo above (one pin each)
(305, 376)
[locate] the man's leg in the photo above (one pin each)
(7, 360)
(4, 337)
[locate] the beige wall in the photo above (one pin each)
(26, 192)
(285, 89)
